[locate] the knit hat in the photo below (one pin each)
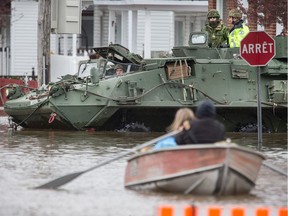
(206, 109)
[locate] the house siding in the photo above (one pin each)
(105, 28)
(162, 31)
(97, 27)
(124, 27)
(23, 37)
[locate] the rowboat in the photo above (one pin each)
(206, 169)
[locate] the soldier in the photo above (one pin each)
(119, 70)
(239, 29)
(217, 32)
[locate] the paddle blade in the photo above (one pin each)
(65, 179)
(59, 181)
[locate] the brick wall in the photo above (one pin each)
(271, 29)
(252, 16)
(211, 4)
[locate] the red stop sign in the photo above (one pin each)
(257, 48)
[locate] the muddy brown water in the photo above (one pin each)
(29, 158)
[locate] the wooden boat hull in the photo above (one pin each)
(208, 169)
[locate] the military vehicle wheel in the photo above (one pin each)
(134, 127)
(252, 128)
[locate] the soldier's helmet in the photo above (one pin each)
(213, 13)
(118, 66)
(235, 13)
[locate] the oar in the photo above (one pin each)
(274, 168)
(67, 178)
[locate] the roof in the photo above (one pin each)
(156, 5)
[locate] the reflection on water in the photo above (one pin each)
(29, 158)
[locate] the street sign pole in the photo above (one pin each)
(259, 109)
(257, 49)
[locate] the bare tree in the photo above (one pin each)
(266, 13)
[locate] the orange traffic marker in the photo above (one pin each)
(214, 212)
(190, 211)
(262, 212)
(168, 210)
(283, 212)
(165, 211)
(237, 212)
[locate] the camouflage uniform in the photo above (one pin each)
(218, 35)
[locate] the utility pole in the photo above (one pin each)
(44, 30)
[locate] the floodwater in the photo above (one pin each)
(29, 158)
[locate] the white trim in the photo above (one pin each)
(111, 27)
(130, 31)
(154, 5)
(147, 37)
(134, 30)
(124, 28)
(219, 7)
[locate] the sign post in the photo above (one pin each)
(257, 49)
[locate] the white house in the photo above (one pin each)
(149, 28)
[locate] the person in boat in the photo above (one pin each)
(119, 70)
(239, 29)
(217, 32)
(204, 129)
(181, 120)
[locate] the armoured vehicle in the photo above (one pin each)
(151, 90)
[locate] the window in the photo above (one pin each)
(179, 31)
